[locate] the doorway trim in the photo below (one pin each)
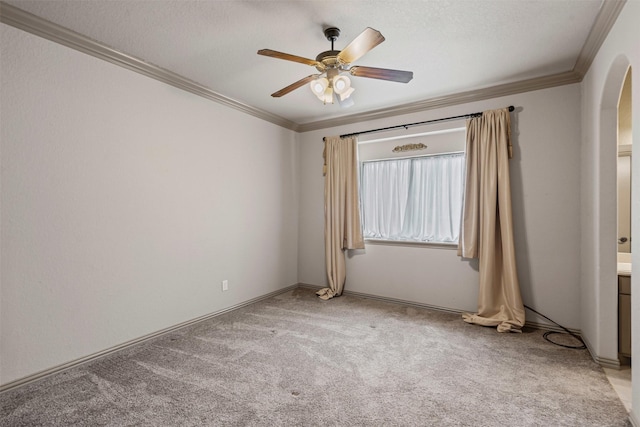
(606, 236)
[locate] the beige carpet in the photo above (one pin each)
(296, 360)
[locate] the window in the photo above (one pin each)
(416, 199)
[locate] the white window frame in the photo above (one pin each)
(400, 242)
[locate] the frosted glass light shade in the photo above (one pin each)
(344, 102)
(319, 86)
(346, 94)
(324, 89)
(341, 84)
(327, 97)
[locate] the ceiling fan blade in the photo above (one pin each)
(294, 86)
(382, 73)
(288, 57)
(366, 40)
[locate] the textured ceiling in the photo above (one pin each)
(451, 46)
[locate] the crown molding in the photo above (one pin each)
(522, 86)
(607, 16)
(605, 19)
(33, 24)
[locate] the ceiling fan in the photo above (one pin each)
(334, 64)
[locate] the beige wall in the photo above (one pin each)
(624, 202)
(624, 113)
(125, 202)
(545, 187)
(624, 165)
(600, 95)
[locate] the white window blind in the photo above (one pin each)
(416, 199)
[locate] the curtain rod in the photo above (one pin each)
(464, 116)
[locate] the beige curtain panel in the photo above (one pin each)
(342, 228)
(487, 228)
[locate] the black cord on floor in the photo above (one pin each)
(546, 334)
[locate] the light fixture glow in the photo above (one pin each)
(319, 86)
(324, 88)
(327, 97)
(341, 84)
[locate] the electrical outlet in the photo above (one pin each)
(225, 285)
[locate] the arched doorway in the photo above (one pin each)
(611, 128)
(625, 149)
(606, 234)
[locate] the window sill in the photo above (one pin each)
(438, 245)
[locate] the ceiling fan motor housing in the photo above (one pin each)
(332, 34)
(329, 58)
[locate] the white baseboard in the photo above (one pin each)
(635, 422)
(534, 325)
(404, 302)
(387, 299)
(602, 361)
(605, 362)
(608, 363)
(77, 362)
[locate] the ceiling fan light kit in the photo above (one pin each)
(333, 64)
(318, 86)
